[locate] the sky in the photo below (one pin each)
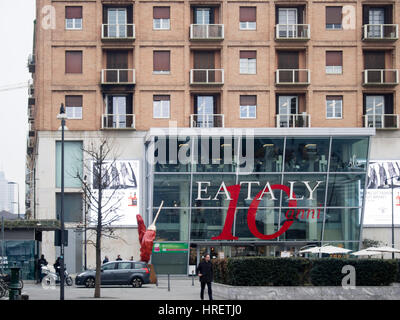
(16, 31)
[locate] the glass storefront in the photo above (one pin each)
(309, 186)
(20, 254)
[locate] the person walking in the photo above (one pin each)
(105, 260)
(41, 263)
(119, 258)
(205, 272)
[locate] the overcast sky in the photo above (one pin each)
(16, 29)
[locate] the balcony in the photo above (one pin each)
(117, 76)
(380, 77)
(292, 32)
(31, 63)
(207, 76)
(381, 121)
(293, 120)
(207, 121)
(30, 113)
(29, 146)
(206, 32)
(118, 32)
(292, 76)
(379, 32)
(118, 121)
(31, 126)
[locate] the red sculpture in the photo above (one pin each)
(147, 236)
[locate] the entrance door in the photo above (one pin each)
(205, 109)
(288, 61)
(204, 63)
(376, 17)
(374, 60)
(287, 19)
(117, 20)
(287, 106)
(375, 109)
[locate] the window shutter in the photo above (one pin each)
(161, 60)
(334, 98)
(161, 12)
(247, 14)
(333, 15)
(161, 98)
(73, 61)
(73, 12)
(333, 58)
(248, 54)
(73, 101)
(248, 100)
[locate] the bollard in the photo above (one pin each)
(192, 278)
(15, 290)
(169, 287)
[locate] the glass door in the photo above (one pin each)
(203, 16)
(116, 110)
(205, 111)
(376, 17)
(288, 106)
(375, 110)
(117, 20)
(287, 18)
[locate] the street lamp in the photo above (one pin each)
(62, 116)
(85, 224)
(18, 195)
(386, 181)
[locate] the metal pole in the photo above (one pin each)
(2, 245)
(18, 201)
(86, 210)
(169, 287)
(392, 220)
(62, 213)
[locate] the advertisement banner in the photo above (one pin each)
(378, 201)
(120, 192)
(170, 247)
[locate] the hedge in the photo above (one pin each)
(269, 271)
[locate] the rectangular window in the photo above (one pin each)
(333, 18)
(161, 62)
(334, 107)
(73, 107)
(248, 107)
(161, 18)
(334, 61)
(248, 62)
(247, 18)
(73, 62)
(72, 207)
(73, 18)
(73, 163)
(161, 107)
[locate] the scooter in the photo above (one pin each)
(52, 278)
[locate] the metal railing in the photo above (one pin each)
(118, 31)
(206, 31)
(381, 121)
(31, 63)
(31, 89)
(381, 76)
(381, 32)
(292, 31)
(118, 121)
(302, 120)
(206, 76)
(293, 76)
(207, 121)
(118, 76)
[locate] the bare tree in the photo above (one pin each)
(102, 197)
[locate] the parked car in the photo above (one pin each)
(117, 273)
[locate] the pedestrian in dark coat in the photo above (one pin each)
(205, 272)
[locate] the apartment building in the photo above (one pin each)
(315, 81)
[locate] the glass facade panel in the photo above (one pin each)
(208, 190)
(73, 163)
(20, 254)
(172, 225)
(73, 206)
(349, 154)
(344, 190)
(172, 155)
(172, 189)
(252, 184)
(342, 224)
(268, 155)
(306, 155)
(206, 223)
(267, 222)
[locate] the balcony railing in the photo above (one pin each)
(207, 76)
(206, 32)
(118, 76)
(292, 76)
(293, 120)
(118, 31)
(31, 63)
(31, 89)
(381, 32)
(381, 77)
(381, 121)
(207, 121)
(118, 121)
(292, 32)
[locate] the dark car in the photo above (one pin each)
(117, 273)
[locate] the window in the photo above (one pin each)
(248, 107)
(161, 18)
(73, 107)
(119, 112)
(334, 62)
(109, 266)
(73, 62)
(161, 107)
(161, 62)
(72, 207)
(124, 265)
(248, 63)
(333, 18)
(73, 163)
(73, 18)
(247, 18)
(334, 107)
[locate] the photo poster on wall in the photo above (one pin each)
(121, 191)
(378, 201)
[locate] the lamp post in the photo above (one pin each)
(85, 224)
(386, 181)
(62, 116)
(16, 183)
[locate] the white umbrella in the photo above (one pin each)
(310, 250)
(384, 249)
(325, 249)
(366, 252)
